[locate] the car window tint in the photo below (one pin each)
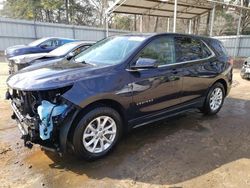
(161, 49)
(47, 43)
(112, 50)
(56, 43)
(219, 48)
(206, 51)
(80, 49)
(188, 49)
(52, 43)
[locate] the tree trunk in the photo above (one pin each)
(67, 11)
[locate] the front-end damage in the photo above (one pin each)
(43, 117)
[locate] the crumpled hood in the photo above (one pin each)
(57, 75)
(26, 58)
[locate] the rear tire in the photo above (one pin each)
(214, 100)
(97, 133)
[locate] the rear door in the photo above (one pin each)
(197, 61)
(159, 88)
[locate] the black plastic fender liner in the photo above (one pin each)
(65, 127)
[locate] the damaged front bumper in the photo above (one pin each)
(50, 129)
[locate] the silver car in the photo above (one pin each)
(245, 70)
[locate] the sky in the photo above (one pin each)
(1, 4)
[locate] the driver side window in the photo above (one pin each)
(51, 43)
(80, 49)
(160, 49)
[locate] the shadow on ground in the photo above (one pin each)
(174, 150)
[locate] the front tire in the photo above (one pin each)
(97, 133)
(214, 100)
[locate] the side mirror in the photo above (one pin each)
(144, 63)
(70, 55)
(43, 46)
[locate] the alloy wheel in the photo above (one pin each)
(216, 98)
(99, 134)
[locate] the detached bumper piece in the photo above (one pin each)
(42, 130)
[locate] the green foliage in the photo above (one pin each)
(224, 22)
(78, 11)
(122, 22)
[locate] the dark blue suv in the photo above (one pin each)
(121, 82)
(42, 45)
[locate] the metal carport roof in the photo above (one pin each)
(176, 9)
(187, 9)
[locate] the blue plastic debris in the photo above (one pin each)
(46, 112)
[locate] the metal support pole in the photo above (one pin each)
(35, 29)
(190, 27)
(135, 22)
(168, 25)
(141, 23)
(212, 21)
(238, 36)
(74, 32)
(175, 15)
(107, 24)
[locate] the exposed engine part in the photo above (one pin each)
(46, 112)
(7, 95)
(43, 127)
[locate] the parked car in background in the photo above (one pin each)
(121, 82)
(245, 70)
(43, 45)
(65, 51)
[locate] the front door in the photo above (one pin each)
(156, 89)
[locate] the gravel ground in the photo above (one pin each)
(188, 151)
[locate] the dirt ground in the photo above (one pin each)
(188, 151)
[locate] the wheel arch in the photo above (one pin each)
(224, 83)
(102, 102)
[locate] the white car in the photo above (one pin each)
(245, 71)
(65, 51)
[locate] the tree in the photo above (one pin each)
(58, 11)
(245, 17)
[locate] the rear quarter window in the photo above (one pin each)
(190, 49)
(219, 48)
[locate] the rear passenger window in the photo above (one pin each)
(189, 49)
(160, 49)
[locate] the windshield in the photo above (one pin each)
(37, 42)
(112, 50)
(63, 50)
